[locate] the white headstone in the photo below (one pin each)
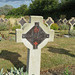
(65, 20)
(49, 22)
(1, 20)
(72, 22)
(35, 36)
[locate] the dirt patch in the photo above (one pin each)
(60, 71)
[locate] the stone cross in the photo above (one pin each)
(49, 22)
(1, 20)
(72, 22)
(65, 21)
(35, 35)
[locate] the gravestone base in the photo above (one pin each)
(33, 62)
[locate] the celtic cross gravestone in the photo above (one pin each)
(35, 35)
(72, 22)
(49, 22)
(65, 21)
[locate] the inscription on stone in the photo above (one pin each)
(36, 35)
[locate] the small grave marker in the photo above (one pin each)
(1, 20)
(65, 21)
(60, 20)
(35, 36)
(72, 22)
(6, 20)
(49, 21)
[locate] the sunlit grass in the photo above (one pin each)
(58, 53)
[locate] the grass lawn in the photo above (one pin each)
(55, 54)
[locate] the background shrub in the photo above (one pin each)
(72, 32)
(63, 32)
(74, 27)
(3, 26)
(64, 27)
(16, 27)
(54, 26)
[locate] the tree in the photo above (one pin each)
(21, 11)
(5, 9)
(42, 7)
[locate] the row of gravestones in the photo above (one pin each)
(35, 35)
(3, 20)
(70, 22)
(50, 21)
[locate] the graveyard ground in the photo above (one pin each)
(56, 56)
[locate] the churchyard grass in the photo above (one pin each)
(59, 53)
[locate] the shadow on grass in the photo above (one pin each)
(13, 58)
(60, 51)
(12, 33)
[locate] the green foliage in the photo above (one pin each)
(74, 27)
(3, 26)
(9, 25)
(63, 32)
(42, 7)
(13, 16)
(54, 26)
(16, 22)
(72, 32)
(67, 72)
(45, 8)
(1, 72)
(20, 11)
(63, 27)
(62, 16)
(16, 27)
(5, 9)
(14, 71)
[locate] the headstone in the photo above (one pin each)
(35, 36)
(1, 20)
(6, 20)
(49, 21)
(72, 22)
(65, 21)
(60, 21)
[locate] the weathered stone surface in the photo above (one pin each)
(35, 35)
